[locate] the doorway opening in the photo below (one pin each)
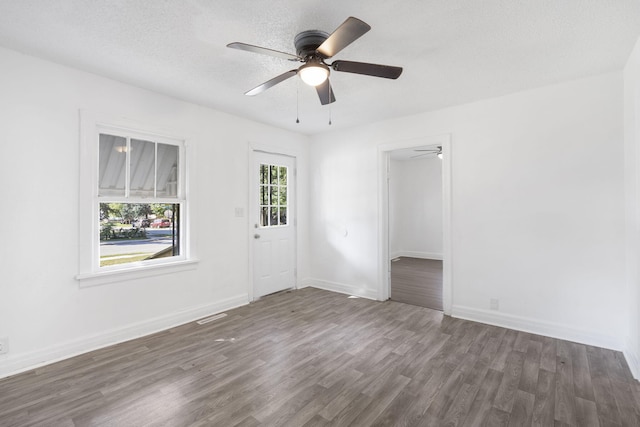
(415, 222)
(415, 226)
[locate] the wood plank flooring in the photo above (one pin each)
(317, 358)
(417, 281)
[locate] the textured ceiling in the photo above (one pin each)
(452, 51)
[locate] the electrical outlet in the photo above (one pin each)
(494, 304)
(4, 345)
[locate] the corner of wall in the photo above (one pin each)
(633, 360)
(414, 254)
(632, 209)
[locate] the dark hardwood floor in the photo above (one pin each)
(316, 358)
(417, 281)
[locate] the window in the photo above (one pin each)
(132, 232)
(273, 195)
(138, 196)
(133, 201)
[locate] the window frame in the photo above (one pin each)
(90, 273)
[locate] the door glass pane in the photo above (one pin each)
(264, 195)
(143, 168)
(112, 165)
(167, 171)
(264, 174)
(274, 216)
(273, 195)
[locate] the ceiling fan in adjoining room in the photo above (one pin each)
(313, 48)
(426, 151)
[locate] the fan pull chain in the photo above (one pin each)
(298, 102)
(329, 104)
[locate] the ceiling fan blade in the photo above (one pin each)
(264, 51)
(376, 70)
(325, 93)
(269, 83)
(348, 32)
(432, 151)
(420, 155)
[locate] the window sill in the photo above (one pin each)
(104, 277)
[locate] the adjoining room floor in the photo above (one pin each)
(417, 281)
(312, 357)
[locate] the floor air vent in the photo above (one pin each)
(211, 319)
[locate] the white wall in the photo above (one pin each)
(415, 208)
(632, 195)
(43, 312)
(538, 208)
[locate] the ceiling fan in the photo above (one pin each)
(313, 47)
(437, 151)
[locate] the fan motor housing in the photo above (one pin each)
(307, 42)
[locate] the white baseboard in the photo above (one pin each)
(535, 326)
(633, 361)
(342, 288)
(13, 364)
(304, 283)
(422, 255)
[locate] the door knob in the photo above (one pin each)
(256, 236)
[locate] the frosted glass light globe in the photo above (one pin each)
(314, 74)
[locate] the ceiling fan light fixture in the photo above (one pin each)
(313, 48)
(440, 155)
(314, 73)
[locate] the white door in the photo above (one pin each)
(273, 223)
